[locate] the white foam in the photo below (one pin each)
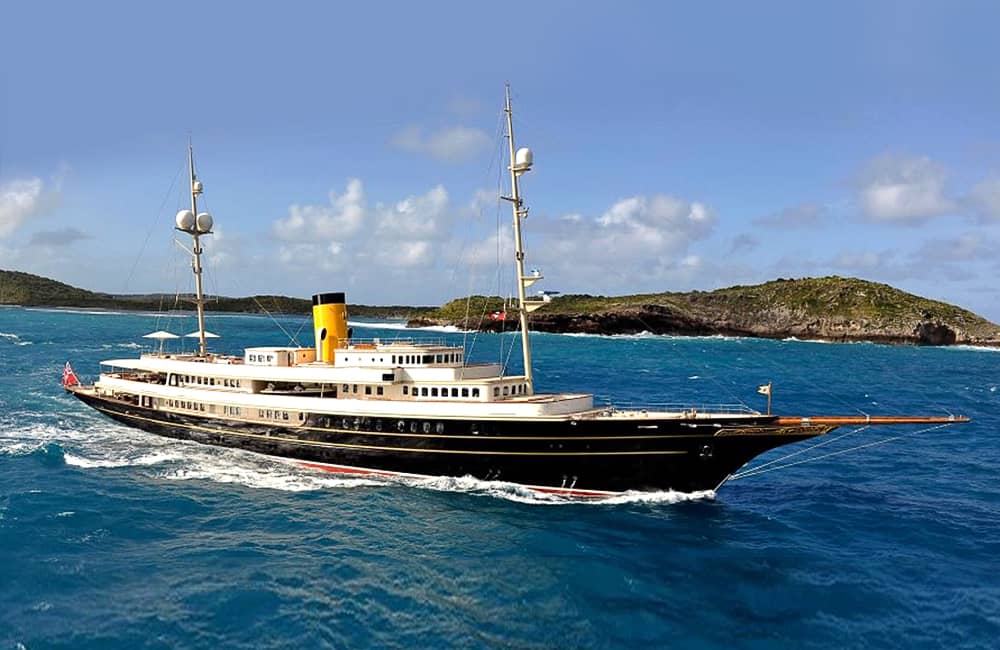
(522, 494)
(401, 326)
(973, 348)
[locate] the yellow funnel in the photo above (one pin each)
(330, 324)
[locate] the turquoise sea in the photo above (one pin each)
(113, 538)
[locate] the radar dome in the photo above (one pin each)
(523, 159)
(204, 222)
(185, 220)
(196, 186)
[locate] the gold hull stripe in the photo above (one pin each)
(340, 445)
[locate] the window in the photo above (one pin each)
(378, 390)
(428, 358)
(354, 388)
(439, 427)
(346, 388)
(465, 392)
(423, 391)
(506, 391)
(368, 390)
(475, 392)
(406, 390)
(439, 359)
(427, 427)
(284, 415)
(454, 392)
(434, 392)
(496, 391)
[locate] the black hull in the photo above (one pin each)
(588, 455)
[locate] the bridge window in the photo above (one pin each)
(475, 392)
(406, 390)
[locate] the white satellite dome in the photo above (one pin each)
(523, 159)
(185, 220)
(204, 222)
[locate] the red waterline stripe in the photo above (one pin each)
(341, 469)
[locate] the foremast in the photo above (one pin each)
(196, 224)
(520, 162)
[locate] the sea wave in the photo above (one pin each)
(401, 326)
(522, 494)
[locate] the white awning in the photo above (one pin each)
(195, 335)
(161, 335)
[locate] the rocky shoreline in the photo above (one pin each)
(825, 309)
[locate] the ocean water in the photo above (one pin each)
(113, 538)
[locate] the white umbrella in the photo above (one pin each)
(161, 336)
(208, 335)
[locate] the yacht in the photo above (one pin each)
(421, 409)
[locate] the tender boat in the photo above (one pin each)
(420, 409)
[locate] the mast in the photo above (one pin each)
(196, 225)
(520, 162)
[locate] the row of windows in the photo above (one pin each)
(368, 424)
(208, 381)
(367, 390)
(516, 389)
(409, 359)
(434, 391)
(232, 410)
(261, 358)
(184, 404)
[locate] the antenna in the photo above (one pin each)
(196, 224)
(521, 161)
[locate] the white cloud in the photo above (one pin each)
(904, 189)
(985, 198)
(19, 200)
(449, 144)
(341, 218)
(414, 216)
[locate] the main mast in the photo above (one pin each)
(520, 162)
(196, 225)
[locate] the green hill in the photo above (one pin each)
(25, 289)
(829, 308)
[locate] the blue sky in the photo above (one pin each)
(678, 146)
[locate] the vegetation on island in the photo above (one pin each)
(829, 308)
(25, 289)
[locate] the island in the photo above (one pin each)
(827, 309)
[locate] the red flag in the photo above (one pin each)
(69, 377)
(498, 315)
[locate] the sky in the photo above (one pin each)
(357, 147)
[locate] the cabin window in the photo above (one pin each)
(465, 392)
(496, 391)
(302, 416)
(406, 390)
(427, 427)
(368, 390)
(379, 390)
(284, 415)
(506, 391)
(434, 392)
(378, 425)
(438, 359)
(401, 426)
(439, 427)
(413, 426)
(354, 388)
(423, 391)
(454, 392)
(475, 392)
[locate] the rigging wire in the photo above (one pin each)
(755, 472)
